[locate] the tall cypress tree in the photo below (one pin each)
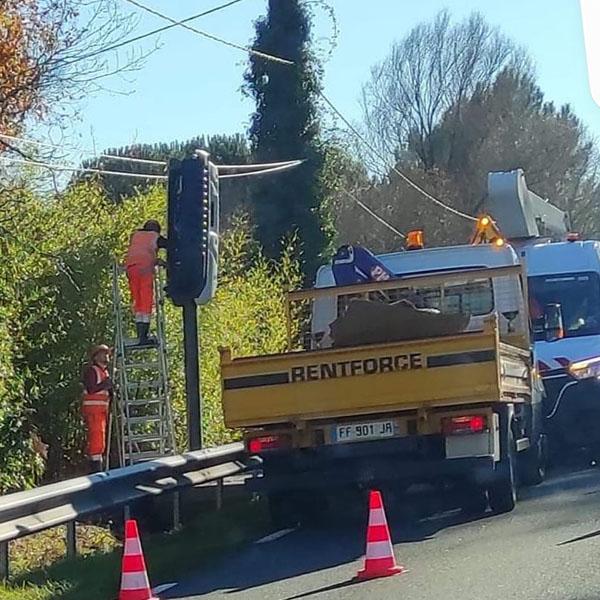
(285, 126)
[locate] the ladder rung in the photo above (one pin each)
(148, 455)
(146, 419)
(142, 365)
(152, 437)
(144, 384)
(136, 346)
(145, 401)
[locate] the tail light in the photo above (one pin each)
(464, 424)
(267, 442)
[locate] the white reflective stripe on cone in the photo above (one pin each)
(133, 547)
(95, 403)
(379, 550)
(135, 581)
(377, 517)
(96, 457)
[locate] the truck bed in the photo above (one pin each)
(468, 368)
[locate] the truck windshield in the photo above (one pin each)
(579, 297)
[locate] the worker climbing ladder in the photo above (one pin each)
(141, 410)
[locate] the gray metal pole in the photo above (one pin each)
(71, 539)
(176, 525)
(192, 375)
(219, 496)
(4, 562)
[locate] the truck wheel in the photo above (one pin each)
(533, 463)
(474, 502)
(502, 493)
(283, 510)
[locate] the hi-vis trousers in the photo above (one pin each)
(141, 286)
(96, 419)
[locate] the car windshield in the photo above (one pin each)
(579, 297)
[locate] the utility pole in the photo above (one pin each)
(193, 392)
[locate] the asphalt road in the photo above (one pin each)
(548, 547)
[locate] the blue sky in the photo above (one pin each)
(191, 85)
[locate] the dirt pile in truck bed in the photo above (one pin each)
(368, 322)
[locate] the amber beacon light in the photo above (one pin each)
(414, 240)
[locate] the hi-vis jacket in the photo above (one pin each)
(95, 393)
(143, 248)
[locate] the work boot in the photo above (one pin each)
(145, 339)
(142, 331)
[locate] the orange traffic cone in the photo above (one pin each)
(134, 578)
(379, 558)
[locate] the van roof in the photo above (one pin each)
(561, 257)
(431, 260)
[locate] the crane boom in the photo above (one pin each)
(519, 212)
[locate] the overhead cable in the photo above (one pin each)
(144, 161)
(398, 172)
(73, 169)
(57, 147)
(210, 36)
(150, 33)
(225, 169)
(283, 167)
(374, 214)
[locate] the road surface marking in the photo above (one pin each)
(442, 515)
(163, 588)
(274, 536)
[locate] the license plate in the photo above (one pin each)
(354, 432)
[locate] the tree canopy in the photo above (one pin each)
(285, 126)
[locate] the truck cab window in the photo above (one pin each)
(578, 295)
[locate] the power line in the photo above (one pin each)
(210, 36)
(226, 169)
(144, 161)
(54, 167)
(374, 214)
(151, 33)
(282, 167)
(399, 173)
(109, 156)
(14, 138)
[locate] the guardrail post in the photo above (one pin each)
(71, 539)
(219, 494)
(4, 562)
(176, 525)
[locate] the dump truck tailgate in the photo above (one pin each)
(377, 378)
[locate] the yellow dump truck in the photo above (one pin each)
(422, 378)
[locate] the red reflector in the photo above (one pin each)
(267, 442)
(464, 424)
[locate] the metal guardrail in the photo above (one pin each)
(62, 503)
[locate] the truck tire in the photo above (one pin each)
(283, 510)
(474, 502)
(533, 463)
(502, 494)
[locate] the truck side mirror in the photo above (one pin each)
(553, 322)
(510, 316)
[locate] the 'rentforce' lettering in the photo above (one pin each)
(368, 366)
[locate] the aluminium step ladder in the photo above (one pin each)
(142, 409)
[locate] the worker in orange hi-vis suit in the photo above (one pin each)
(97, 394)
(142, 258)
